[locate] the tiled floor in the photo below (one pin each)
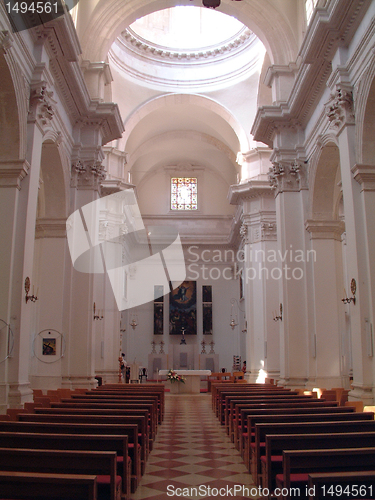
(193, 457)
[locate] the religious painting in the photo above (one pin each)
(207, 319)
(158, 309)
(183, 309)
(158, 318)
(49, 347)
(206, 293)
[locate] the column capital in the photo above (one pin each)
(365, 176)
(257, 227)
(339, 108)
(12, 172)
(87, 174)
(325, 229)
(288, 175)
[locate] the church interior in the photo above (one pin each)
(244, 136)
(187, 265)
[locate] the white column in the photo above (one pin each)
(288, 178)
(359, 205)
(326, 350)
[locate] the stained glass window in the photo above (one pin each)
(184, 193)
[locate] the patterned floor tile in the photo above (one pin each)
(193, 457)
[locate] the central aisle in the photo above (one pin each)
(192, 450)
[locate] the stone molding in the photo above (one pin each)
(140, 45)
(365, 176)
(258, 227)
(41, 106)
(50, 228)
(334, 26)
(325, 229)
(12, 172)
(6, 41)
(288, 176)
(87, 174)
(238, 193)
(339, 108)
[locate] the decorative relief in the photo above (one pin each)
(41, 105)
(87, 174)
(140, 45)
(268, 230)
(339, 108)
(6, 41)
(243, 232)
(288, 176)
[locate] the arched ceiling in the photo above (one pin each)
(104, 20)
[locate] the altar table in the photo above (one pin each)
(192, 381)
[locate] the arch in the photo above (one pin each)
(365, 111)
(323, 176)
(11, 143)
(111, 17)
(52, 199)
(165, 101)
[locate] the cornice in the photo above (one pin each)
(365, 176)
(130, 39)
(325, 229)
(248, 190)
(330, 28)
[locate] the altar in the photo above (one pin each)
(192, 381)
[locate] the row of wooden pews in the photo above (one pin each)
(296, 444)
(102, 435)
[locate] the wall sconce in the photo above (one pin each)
(28, 297)
(233, 317)
(133, 322)
(97, 317)
(353, 289)
(280, 317)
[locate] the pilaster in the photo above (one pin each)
(260, 276)
(328, 349)
(357, 186)
(288, 179)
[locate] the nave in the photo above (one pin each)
(192, 450)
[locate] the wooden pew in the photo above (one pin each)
(276, 444)
(87, 417)
(88, 442)
(144, 390)
(46, 486)
(301, 415)
(229, 400)
(99, 463)
(216, 388)
(320, 483)
(262, 430)
(298, 464)
(138, 416)
(119, 404)
(129, 430)
(242, 412)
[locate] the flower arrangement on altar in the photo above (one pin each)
(172, 376)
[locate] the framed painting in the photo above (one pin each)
(183, 309)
